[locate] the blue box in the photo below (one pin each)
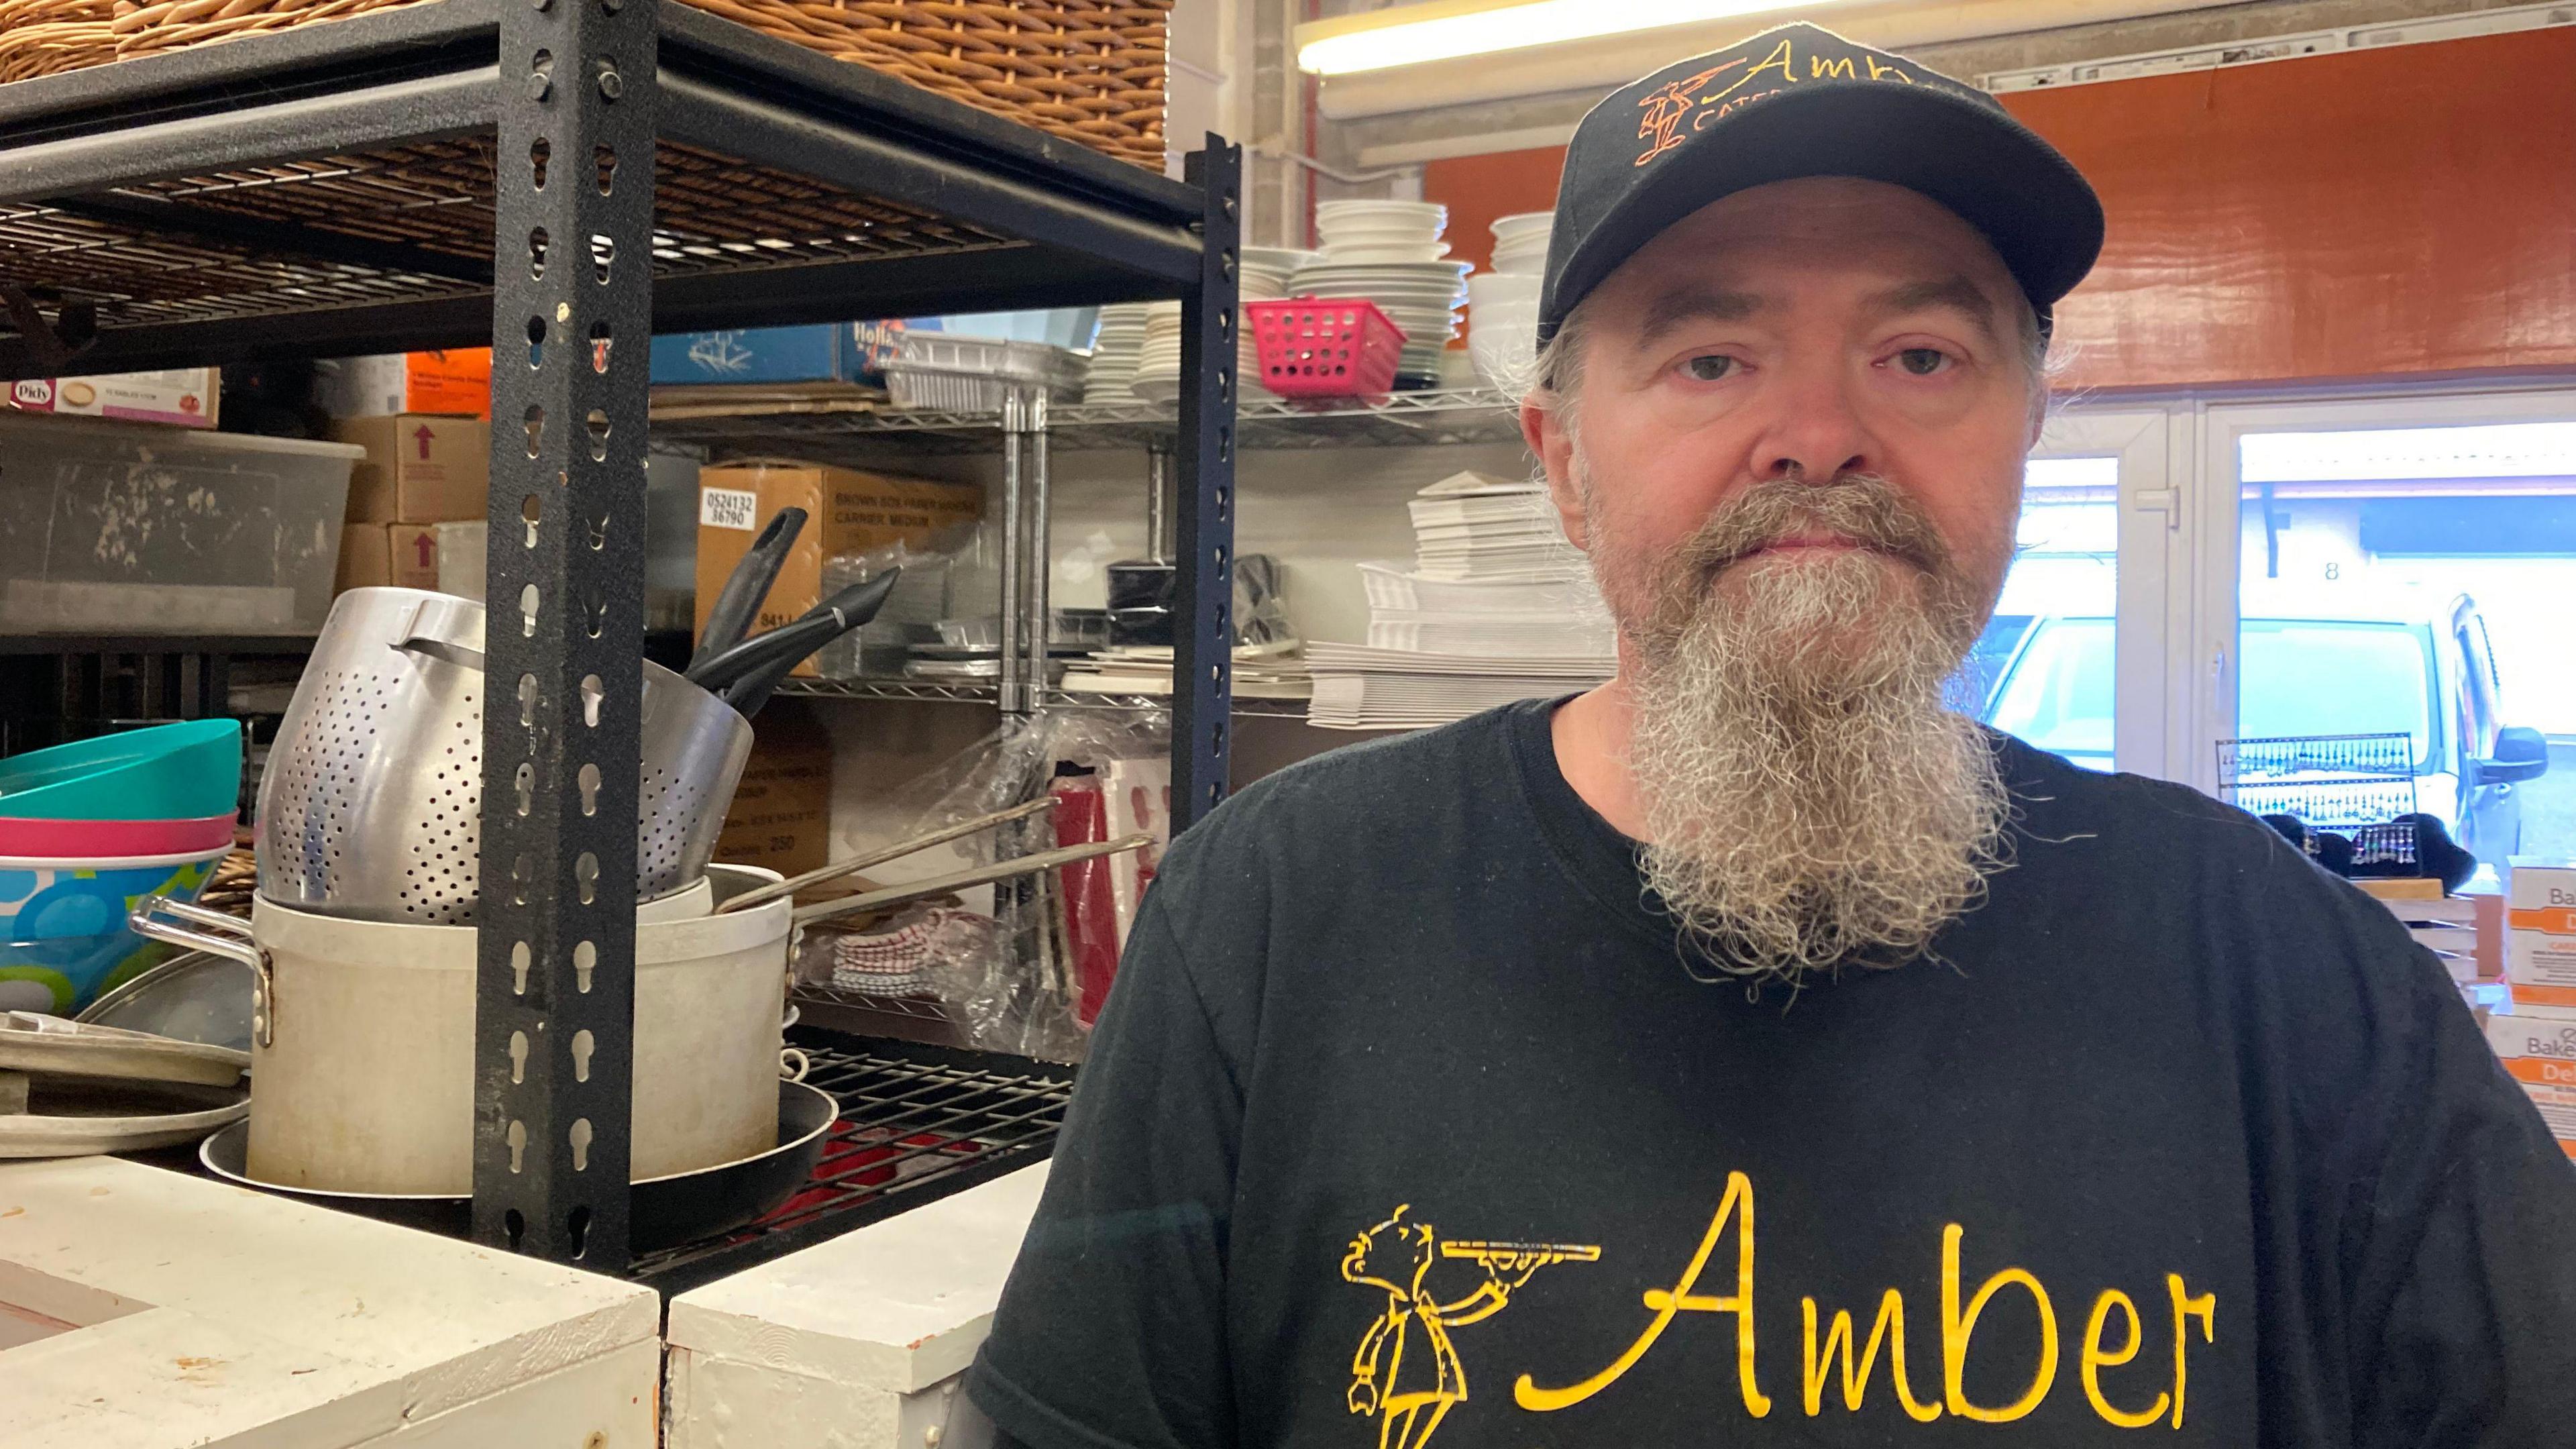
(851, 352)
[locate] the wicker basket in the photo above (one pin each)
(1087, 70)
(39, 37)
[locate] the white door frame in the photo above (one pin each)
(2204, 685)
(2151, 514)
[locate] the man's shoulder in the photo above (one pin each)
(2133, 814)
(1341, 817)
(2171, 850)
(1389, 785)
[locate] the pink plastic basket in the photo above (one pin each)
(1325, 347)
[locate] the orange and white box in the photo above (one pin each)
(2540, 920)
(2537, 1044)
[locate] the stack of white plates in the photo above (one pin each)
(1158, 364)
(1422, 298)
(1382, 231)
(1115, 354)
(1265, 271)
(1520, 242)
(1391, 253)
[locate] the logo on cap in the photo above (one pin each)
(1688, 97)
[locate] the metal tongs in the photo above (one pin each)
(938, 885)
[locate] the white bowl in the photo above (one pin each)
(1371, 230)
(1488, 289)
(1380, 206)
(1430, 251)
(1527, 261)
(1283, 260)
(1503, 340)
(1522, 224)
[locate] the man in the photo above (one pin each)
(1749, 1052)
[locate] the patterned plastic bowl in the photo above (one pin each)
(63, 937)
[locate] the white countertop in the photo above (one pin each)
(853, 1342)
(141, 1307)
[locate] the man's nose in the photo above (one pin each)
(1814, 434)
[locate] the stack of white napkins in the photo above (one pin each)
(1475, 526)
(1261, 671)
(1497, 607)
(1359, 688)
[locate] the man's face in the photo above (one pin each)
(1793, 451)
(1795, 334)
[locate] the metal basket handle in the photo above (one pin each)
(235, 945)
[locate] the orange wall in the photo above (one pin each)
(2411, 209)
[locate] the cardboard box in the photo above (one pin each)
(419, 469)
(447, 557)
(457, 381)
(782, 811)
(2540, 920)
(845, 352)
(463, 557)
(846, 512)
(2537, 1044)
(185, 397)
(378, 555)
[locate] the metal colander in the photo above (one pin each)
(371, 806)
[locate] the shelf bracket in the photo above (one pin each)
(563, 639)
(1203, 586)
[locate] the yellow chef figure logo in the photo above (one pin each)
(1406, 1372)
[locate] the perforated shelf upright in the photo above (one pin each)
(562, 178)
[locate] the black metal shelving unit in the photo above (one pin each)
(563, 178)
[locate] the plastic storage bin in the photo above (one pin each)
(1326, 347)
(134, 529)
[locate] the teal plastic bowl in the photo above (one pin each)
(183, 771)
(63, 937)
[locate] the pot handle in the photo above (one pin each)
(441, 649)
(146, 922)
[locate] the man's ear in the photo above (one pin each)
(1551, 441)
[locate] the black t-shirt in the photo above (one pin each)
(1406, 1126)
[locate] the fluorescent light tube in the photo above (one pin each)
(1385, 39)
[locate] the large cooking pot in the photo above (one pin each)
(372, 804)
(362, 1059)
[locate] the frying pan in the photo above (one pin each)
(747, 587)
(664, 1212)
(788, 644)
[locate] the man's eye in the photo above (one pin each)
(1923, 361)
(1711, 367)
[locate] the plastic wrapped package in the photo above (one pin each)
(1085, 897)
(911, 614)
(887, 955)
(1261, 602)
(1011, 979)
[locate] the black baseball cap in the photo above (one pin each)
(1802, 101)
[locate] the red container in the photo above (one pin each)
(109, 839)
(1326, 347)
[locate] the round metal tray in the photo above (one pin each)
(664, 1212)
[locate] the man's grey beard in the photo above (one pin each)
(1809, 801)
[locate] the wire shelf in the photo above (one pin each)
(985, 694)
(2328, 782)
(917, 1008)
(414, 222)
(917, 1123)
(1404, 419)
